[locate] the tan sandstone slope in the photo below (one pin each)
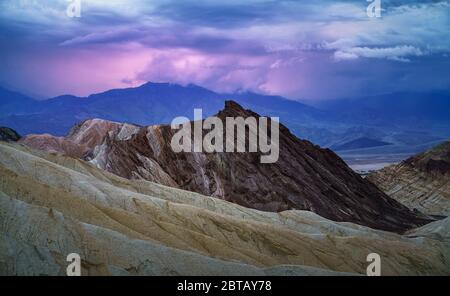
(421, 182)
(51, 205)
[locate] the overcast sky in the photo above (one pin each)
(300, 49)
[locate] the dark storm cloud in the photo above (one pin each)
(286, 47)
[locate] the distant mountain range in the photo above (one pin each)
(151, 103)
(410, 122)
(416, 109)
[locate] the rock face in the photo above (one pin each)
(8, 135)
(52, 205)
(305, 177)
(421, 182)
(81, 139)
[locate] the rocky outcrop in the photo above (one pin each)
(305, 177)
(8, 135)
(421, 182)
(52, 205)
(82, 138)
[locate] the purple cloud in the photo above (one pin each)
(308, 49)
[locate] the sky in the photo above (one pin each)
(308, 50)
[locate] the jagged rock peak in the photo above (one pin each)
(233, 109)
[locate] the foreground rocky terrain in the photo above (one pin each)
(305, 177)
(52, 205)
(421, 182)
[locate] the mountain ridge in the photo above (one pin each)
(306, 177)
(158, 103)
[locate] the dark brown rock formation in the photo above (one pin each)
(8, 135)
(305, 177)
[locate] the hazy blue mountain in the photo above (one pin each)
(151, 103)
(407, 120)
(16, 103)
(413, 109)
(359, 143)
(154, 103)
